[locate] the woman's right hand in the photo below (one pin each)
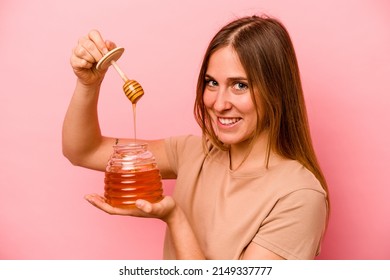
(89, 50)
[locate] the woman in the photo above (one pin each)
(251, 187)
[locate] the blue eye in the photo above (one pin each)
(240, 86)
(211, 83)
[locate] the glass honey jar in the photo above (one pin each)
(132, 174)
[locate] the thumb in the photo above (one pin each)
(144, 205)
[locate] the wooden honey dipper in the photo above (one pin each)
(131, 88)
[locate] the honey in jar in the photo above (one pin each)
(132, 174)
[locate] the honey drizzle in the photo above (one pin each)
(134, 121)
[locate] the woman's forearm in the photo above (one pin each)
(185, 244)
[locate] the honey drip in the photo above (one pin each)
(134, 121)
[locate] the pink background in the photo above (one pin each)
(343, 51)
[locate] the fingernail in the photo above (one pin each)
(139, 203)
(89, 198)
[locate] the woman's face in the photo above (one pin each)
(227, 98)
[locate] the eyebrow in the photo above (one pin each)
(230, 79)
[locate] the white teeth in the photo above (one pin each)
(228, 121)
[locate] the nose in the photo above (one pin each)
(222, 101)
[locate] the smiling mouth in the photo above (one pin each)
(228, 121)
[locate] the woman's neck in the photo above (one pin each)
(250, 153)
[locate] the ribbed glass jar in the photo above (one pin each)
(132, 174)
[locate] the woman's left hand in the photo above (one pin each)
(160, 210)
(184, 241)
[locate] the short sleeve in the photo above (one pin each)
(171, 151)
(295, 226)
(183, 150)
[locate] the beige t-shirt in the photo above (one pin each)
(282, 208)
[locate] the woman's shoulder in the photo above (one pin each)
(183, 142)
(291, 176)
(181, 147)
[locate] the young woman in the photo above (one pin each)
(251, 187)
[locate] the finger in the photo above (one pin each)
(101, 203)
(110, 45)
(144, 206)
(157, 210)
(80, 64)
(88, 50)
(96, 37)
(81, 59)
